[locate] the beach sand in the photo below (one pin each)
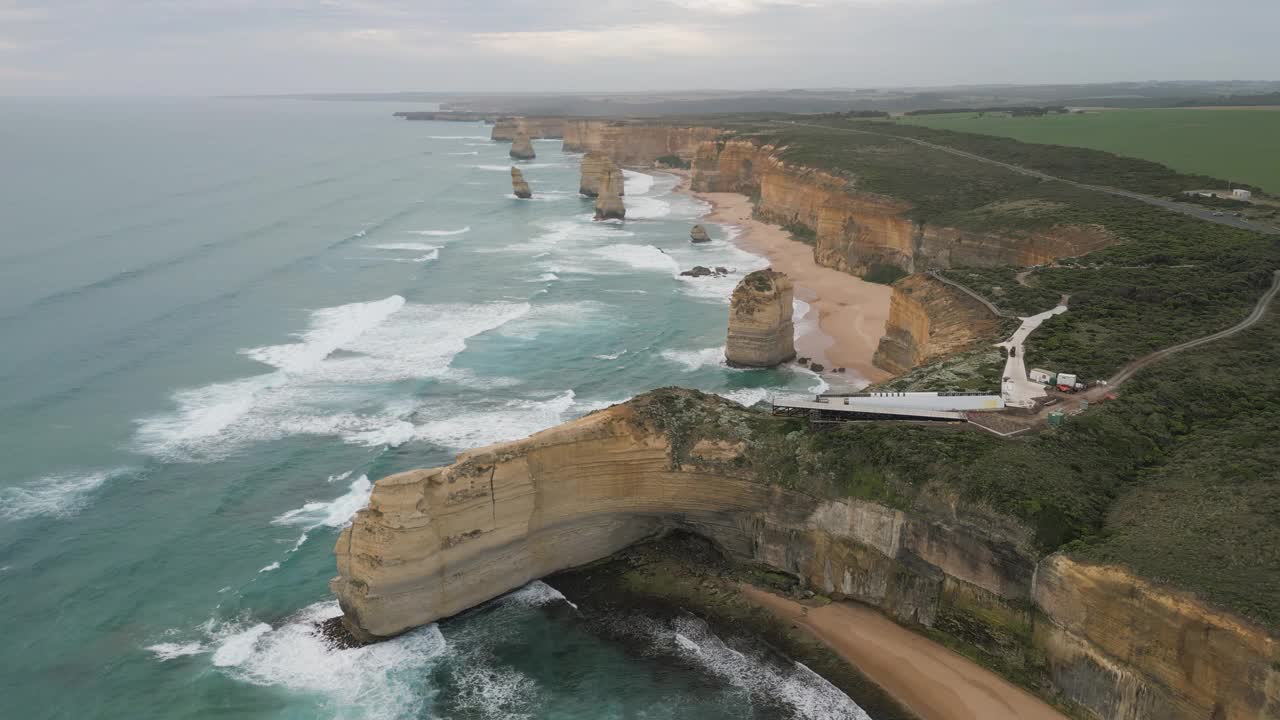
(851, 313)
(932, 681)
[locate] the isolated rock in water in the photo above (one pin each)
(609, 202)
(817, 367)
(699, 234)
(761, 333)
(722, 270)
(519, 186)
(698, 271)
(596, 166)
(522, 148)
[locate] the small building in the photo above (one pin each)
(1044, 377)
(1239, 194)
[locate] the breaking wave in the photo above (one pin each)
(56, 496)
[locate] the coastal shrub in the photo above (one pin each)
(673, 161)
(802, 232)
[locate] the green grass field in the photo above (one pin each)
(1239, 145)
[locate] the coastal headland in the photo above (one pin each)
(988, 546)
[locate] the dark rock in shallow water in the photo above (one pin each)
(802, 361)
(336, 635)
(816, 367)
(697, 271)
(699, 234)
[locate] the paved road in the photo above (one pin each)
(1259, 311)
(990, 306)
(1185, 209)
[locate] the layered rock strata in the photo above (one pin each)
(595, 168)
(929, 319)
(432, 543)
(506, 129)
(519, 186)
(522, 148)
(609, 200)
(629, 143)
(761, 333)
(699, 234)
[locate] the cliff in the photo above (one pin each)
(433, 543)
(929, 319)
(761, 333)
(595, 168)
(630, 143)
(609, 200)
(505, 129)
(856, 231)
(518, 185)
(522, 148)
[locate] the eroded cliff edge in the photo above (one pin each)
(433, 543)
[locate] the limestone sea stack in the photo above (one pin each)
(609, 202)
(699, 234)
(761, 333)
(596, 165)
(522, 148)
(519, 186)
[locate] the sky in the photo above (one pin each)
(212, 47)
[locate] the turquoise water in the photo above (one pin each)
(220, 319)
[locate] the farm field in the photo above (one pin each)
(1241, 145)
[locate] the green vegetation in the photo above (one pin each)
(673, 161)
(1239, 145)
(802, 232)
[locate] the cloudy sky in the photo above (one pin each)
(185, 47)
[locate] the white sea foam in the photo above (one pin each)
(510, 420)
(522, 166)
(695, 359)
(636, 183)
(639, 257)
(458, 137)
(614, 356)
(171, 651)
(534, 594)
(374, 681)
(334, 513)
(383, 342)
(440, 233)
(269, 568)
(774, 680)
(58, 496)
(746, 396)
(471, 152)
(646, 208)
(331, 328)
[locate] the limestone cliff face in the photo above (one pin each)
(505, 129)
(518, 185)
(609, 200)
(929, 319)
(761, 333)
(433, 543)
(522, 148)
(635, 143)
(856, 230)
(596, 167)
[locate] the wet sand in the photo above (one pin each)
(851, 313)
(932, 681)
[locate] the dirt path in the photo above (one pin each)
(932, 681)
(1192, 210)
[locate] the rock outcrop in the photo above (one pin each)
(433, 543)
(595, 168)
(699, 234)
(609, 200)
(929, 319)
(761, 333)
(522, 148)
(519, 186)
(630, 143)
(855, 231)
(505, 129)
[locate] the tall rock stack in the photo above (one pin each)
(761, 333)
(609, 202)
(699, 234)
(596, 165)
(522, 148)
(519, 186)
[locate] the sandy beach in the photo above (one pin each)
(851, 313)
(932, 681)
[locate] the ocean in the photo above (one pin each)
(222, 319)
